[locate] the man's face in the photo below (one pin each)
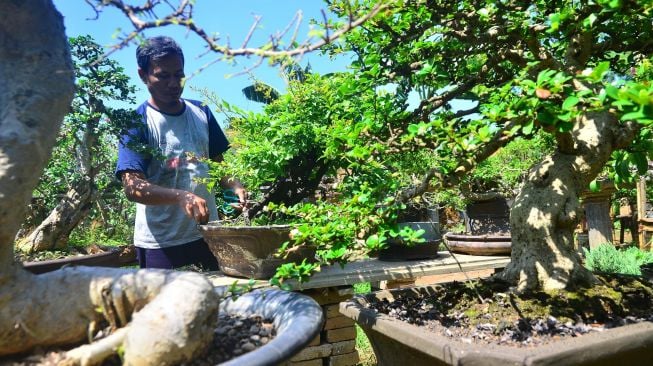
(164, 79)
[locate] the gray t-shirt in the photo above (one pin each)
(178, 143)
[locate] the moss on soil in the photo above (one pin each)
(612, 297)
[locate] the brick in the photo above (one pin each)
(338, 322)
(340, 334)
(314, 362)
(347, 359)
(310, 353)
(332, 311)
(340, 348)
(315, 342)
(331, 295)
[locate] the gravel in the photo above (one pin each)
(235, 336)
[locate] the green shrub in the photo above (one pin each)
(607, 258)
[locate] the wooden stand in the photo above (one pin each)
(597, 214)
(645, 223)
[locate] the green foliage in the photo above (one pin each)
(608, 259)
(505, 170)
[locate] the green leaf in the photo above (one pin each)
(570, 102)
(595, 186)
(612, 91)
(640, 162)
(636, 115)
(600, 70)
(589, 21)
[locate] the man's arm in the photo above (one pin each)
(138, 189)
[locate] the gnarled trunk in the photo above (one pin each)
(547, 209)
(54, 231)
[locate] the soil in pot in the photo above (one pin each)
(505, 318)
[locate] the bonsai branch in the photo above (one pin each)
(182, 15)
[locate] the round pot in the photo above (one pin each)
(397, 250)
(249, 251)
(297, 320)
(479, 244)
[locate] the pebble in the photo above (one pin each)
(235, 336)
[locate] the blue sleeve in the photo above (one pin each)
(218, 142)
(129, 159)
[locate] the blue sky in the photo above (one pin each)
(231, 19)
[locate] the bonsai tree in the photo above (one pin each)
(81, 167)
(578, 71)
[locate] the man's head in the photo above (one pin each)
(161, 67)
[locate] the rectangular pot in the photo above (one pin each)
(398, 343)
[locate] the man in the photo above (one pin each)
(162, 177)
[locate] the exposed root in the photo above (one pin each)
(93, 354)
(157, 317)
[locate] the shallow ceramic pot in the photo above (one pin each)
(249, 251)
(297, 320)
(399, 343)
(488, 244)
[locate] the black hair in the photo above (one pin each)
(156, 48)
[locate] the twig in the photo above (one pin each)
(469, 280)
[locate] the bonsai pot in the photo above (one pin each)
(397, 250)
(297, 320)
(488, 244)
(399, 343)
(117, 257)
(249, 251)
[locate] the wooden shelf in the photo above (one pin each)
(371, 270)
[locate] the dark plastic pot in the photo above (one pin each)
(297, 319)
(114, 258)
(249, 251)
(399, 343)
(397, 250)
(479, 244)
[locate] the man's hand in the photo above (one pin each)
(241, 192)
(138, 189)
(194, 207)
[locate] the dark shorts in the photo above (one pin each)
(196, 252)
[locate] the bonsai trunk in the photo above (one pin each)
(547, 209)
(165, 316)
(54, 231)
(303, 176)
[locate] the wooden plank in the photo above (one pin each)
(597, 214)
(371, 270)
